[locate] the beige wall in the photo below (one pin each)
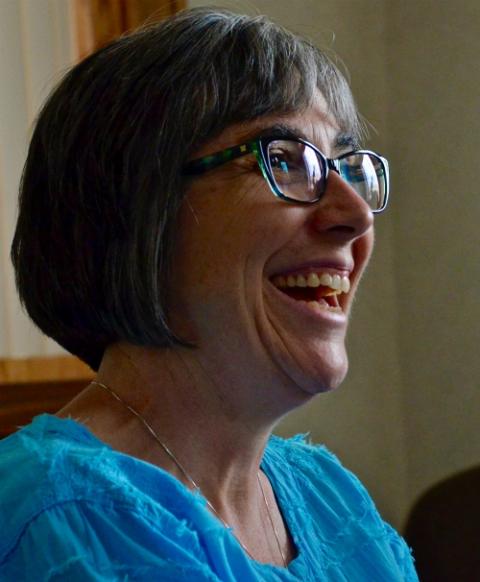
(434, 126)
(408, 415)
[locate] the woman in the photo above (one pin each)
(204, 227)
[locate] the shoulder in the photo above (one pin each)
(320, 466)
(322, 483)
(341, 514)
(47, 465)
(48, 462)
(33, 465)
(98, 513)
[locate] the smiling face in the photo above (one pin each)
(264, 287)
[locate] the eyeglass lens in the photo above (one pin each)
(299, 173)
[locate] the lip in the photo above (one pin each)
(332, 317)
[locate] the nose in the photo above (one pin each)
(341, 211)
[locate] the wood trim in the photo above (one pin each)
(31, 386)
(100, 21)
(45, 369)
(21, 402)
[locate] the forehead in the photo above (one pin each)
(313, 123)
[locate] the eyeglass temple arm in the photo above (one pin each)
(202, 165)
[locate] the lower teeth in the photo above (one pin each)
(322, 306)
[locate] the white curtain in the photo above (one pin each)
(36, 47)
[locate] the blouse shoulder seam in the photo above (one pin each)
(119, 504)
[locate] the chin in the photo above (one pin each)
(323, 374)
(327, 381)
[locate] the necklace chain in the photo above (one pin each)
(186, 474)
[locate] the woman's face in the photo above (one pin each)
(238, 245)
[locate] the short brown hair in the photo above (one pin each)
(102, 183)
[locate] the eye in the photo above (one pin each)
(286, 161)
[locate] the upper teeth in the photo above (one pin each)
(335, 282)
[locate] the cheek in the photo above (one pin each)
(229, 221)
(216, 230)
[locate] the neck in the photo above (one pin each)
(217, 434)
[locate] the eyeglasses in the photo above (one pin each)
(297, 171)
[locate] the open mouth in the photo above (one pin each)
(320, 291)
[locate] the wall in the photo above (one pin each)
(434, 122)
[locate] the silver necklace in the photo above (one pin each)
(188, 477)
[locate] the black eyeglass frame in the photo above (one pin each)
(259, 147)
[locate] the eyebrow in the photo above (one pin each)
(345, 139)
(282, 130)
(342, 140)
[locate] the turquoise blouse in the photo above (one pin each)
(72, 508)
